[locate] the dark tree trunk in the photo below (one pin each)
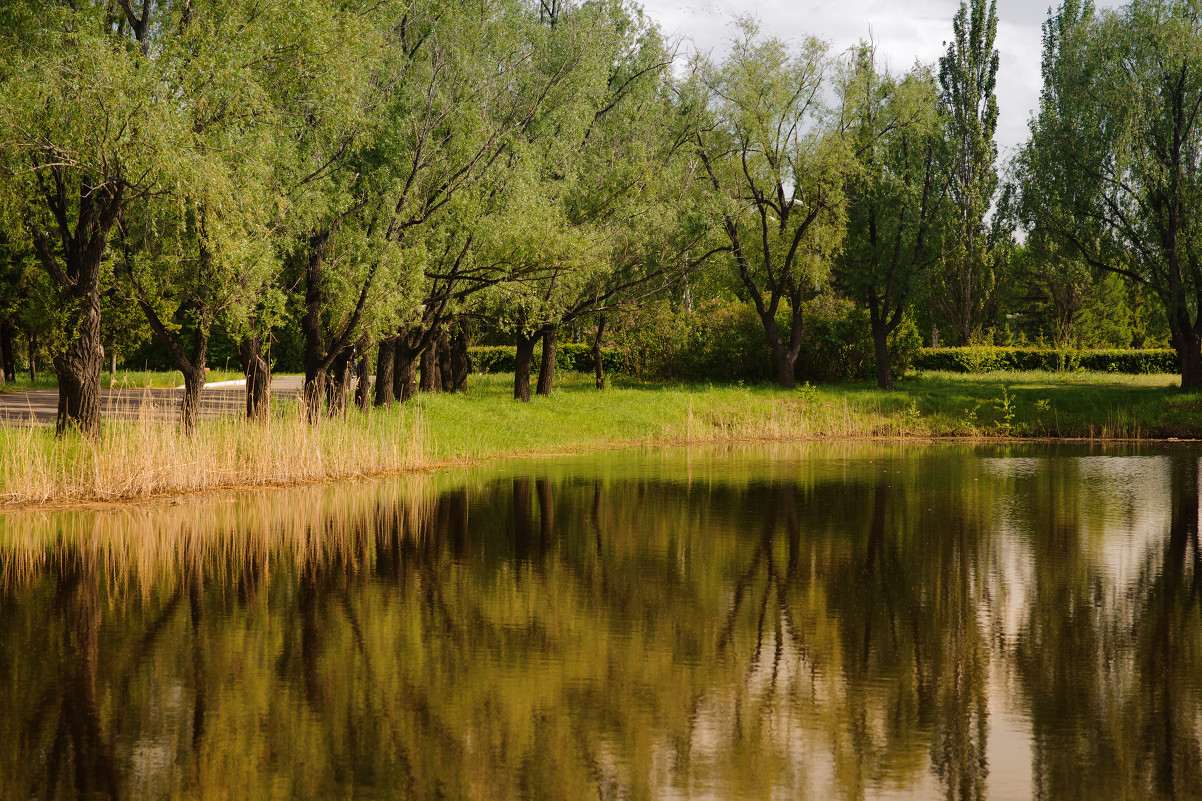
(77, 273)
(78, 369)
(8, 369)
(339, 386)
(446, 377)
(385, 356)
(546, 370)
(461, 363)
(598, 366)
(431, 376)
(189, 407)
(31, 343)
(784, 356)
(404, 376)
(521, 369)
(1189, 353)
(314, 393)
(258, 378)
(880, 350)
(195, 373)
(363, 385)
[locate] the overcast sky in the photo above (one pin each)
(905, 30)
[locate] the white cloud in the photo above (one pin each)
(905, 31)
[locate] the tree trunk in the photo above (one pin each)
(31, 343)
(1189, 354)
(363, 385)
(385, 356)
(782, 356)
(446, 377)
(258, 379)
(880, 349)
(314, 394)
(546, 370)
(598, 366)
(404, 376)
(189, 408)
(8, 365)
(521, 371)
(339, 387)
(78, 369)
(431, 376)
(461, 363)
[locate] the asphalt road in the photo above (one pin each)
(39, 407)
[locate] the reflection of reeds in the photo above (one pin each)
(217, 536)
(145, 456)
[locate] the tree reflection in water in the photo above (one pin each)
(825, 627)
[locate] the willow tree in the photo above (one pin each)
(1112, 167)
(896, 197)
(967, 79)
(87, 124)
(775, 164)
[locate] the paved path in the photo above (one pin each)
(39, 407)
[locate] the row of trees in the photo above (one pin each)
(375, 173)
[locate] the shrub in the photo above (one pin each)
(985, 359)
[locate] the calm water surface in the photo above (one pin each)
(822, 622)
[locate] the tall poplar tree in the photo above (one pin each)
(967, 78)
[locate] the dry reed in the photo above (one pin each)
(146, 457)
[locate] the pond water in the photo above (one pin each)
(824, 621)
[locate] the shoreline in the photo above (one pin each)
(168, 497)
(148, 460)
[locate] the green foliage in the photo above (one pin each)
(988, 359)
(966, 275)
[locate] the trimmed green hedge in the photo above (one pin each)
(501, 359)
(985, 359)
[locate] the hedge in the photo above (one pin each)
(985, 359)
(579, 356)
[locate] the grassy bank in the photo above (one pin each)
(144, 458)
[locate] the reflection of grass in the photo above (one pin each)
(144, 458)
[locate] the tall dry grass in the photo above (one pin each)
(146, 457)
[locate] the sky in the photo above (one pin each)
(904, 30)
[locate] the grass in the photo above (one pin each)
(145, 458)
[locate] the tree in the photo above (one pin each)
(967, 77)
(896, 199)
(776, 170)
(1112, 167)
(85, 127)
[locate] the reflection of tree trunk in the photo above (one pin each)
(457, 522)
(546, 514)
(196, 605)
(310, 640)
(1171, 732)
(521, 519)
